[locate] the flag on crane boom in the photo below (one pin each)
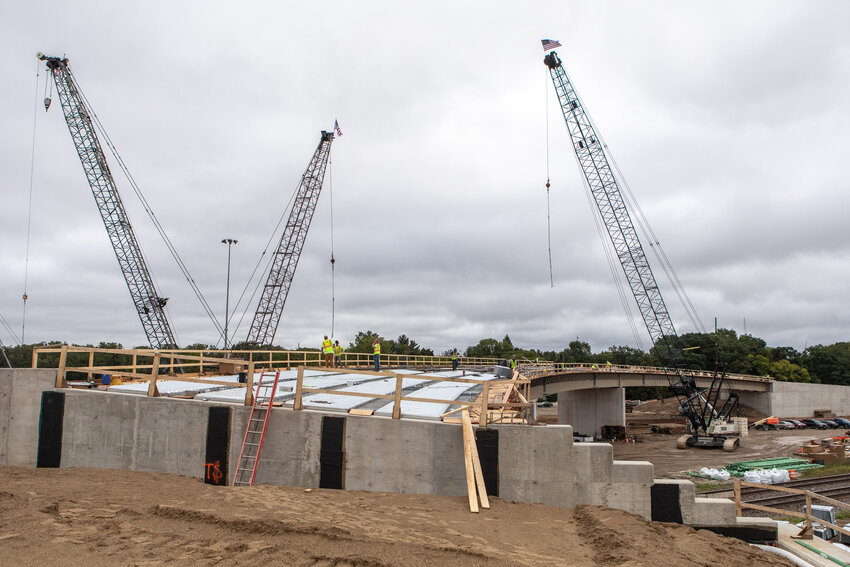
(550, 44)
(336, 129)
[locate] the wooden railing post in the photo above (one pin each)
(154, 375)
(201, 363)
(91, 363)
(397, 399)
(135, 360)
(34, 358)
(60, 372)
(485, 400)
(738, 509)
(249, 385)
(299, 385)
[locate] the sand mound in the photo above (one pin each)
(106, 517)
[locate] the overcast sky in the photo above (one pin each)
(729, 120)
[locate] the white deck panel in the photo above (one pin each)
(285, 388)
(340, 402)
(169, 387)
(174, 387)
(427, 410)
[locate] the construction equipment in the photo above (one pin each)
(255, 434)
(285, 260)
(148, 302)
(699, 406)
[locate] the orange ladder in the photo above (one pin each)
(255, 434)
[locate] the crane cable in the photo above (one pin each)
(259, 262)
(183, 268)
(642, 223)
(9, 329)
(333, 261)
(548, 210)
(29, 205)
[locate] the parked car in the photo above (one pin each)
(842, 422)
(785, 424)
(798, 424)
(832, 424)
(815, 424)
(544, 404)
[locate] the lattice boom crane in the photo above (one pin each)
(147, 301)
(700, 407)
(288, 252)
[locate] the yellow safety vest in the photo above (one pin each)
(338, 350)
(327, 346)
(376, 348)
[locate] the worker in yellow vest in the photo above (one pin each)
(454, 359)
(328, 350)
(376, 353)
(338, 354)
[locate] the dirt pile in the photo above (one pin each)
(106, 517)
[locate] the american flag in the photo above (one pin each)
(336, 129)
(550, 44)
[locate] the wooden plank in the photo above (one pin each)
(772, 487)
(397, 397)
(249, 385)
(467, 459)
(297, 404)
(831, 502)
(60, 371)
(737, 487)
(356, 411)
(152, 391)
(476, 463)
(485, 404)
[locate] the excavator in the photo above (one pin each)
(709, 419)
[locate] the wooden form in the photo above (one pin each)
(300, 390)
(806, 532)
(163, 363)
(476, 489)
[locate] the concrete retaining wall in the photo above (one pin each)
(793, 399)
(123, 431)
(20, 406)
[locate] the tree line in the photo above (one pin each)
(742, 354)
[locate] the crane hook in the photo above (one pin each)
(47, 102)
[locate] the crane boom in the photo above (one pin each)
(147, 301)
(288, 252)
(612, 208)
(700, 407)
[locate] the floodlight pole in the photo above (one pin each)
(230, 242)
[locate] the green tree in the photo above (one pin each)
(828, 364)
(405, 345)
(362, 342)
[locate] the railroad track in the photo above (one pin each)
(834, 486)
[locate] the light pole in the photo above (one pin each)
(230, 242)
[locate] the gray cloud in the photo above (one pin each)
(729, 122)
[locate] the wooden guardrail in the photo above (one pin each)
(806, 532)
(201, 360)
(156, 365)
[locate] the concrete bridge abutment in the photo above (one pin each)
(588, 410)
